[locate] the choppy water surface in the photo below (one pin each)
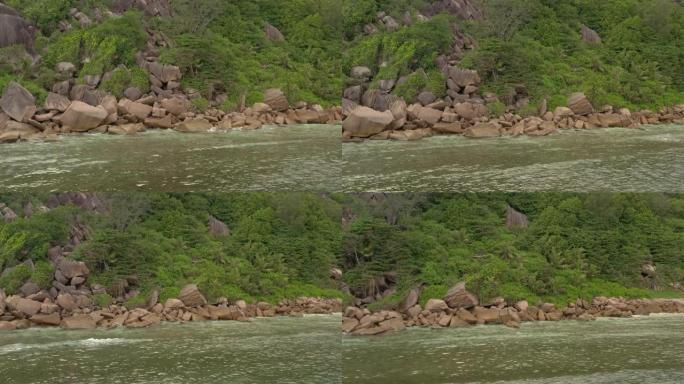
(280, 350)
(304, 157)
(642, 350)
(621, 160)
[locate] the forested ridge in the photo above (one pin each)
(251, 246)
(624, 53)
(539, 247)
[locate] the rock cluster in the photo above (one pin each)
(371, 110)
(459, 308)
(90, 110)
(77, 311)
(385, 117)
(83, 106)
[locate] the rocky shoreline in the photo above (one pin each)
(417, 121)
(460, 308)
(69, 311)
(21, 119)
(385, 105)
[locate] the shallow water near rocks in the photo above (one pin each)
(640, 350)
(276, 350)
(650, 158)
(301, 157)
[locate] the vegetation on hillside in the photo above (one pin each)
(219, 45)
(576, 245)
(280, 245)
(537, 43)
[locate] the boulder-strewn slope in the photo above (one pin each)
(491, 67)
(217, 57)
(402, 250)
(82, 260)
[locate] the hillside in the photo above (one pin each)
(250, 246)
(624, 53)
(225, 50)
(537, 247)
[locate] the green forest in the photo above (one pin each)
(283, 245)
(278, 246)
(536, 44)
(575, 246)
(219, 46)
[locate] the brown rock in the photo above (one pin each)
(7, 326)
(470, 111)
(218, 227)
(165, 122)
(56, 102)
(515, 219)
(276, 99)
(24, 306)
(175, 105)
(410, 300)
(589, 35)
(580, 105)
(454, 127)
(191, 296)
(483, 130)
(457, 322)
(459, 297)
(487, 315)
(273, 33)
(66, 301)
(81, 117)
(429, 115)
(46, 319)
(126, 129)
(197, 125)
(18, 103)
(71, 268)
(139, 110)
(78, 322)
(463, 77)
(366, 122)
(349, 324)
(436, 305)
(173, 304)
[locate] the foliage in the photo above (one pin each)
(99, 48)
(12, 279)
(280, 246)
(42, 274)
(577, 245)
(538, 43)
(121, 78)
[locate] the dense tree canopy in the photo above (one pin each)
(575, 246)
(280, 245)
(537, 43)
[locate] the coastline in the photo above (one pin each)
(437, 314)
(66, 313)
(21, 119)
(416, 122)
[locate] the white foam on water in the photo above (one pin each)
(87, 343)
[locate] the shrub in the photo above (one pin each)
(43, 274)
(102, 300)
(14, 278)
